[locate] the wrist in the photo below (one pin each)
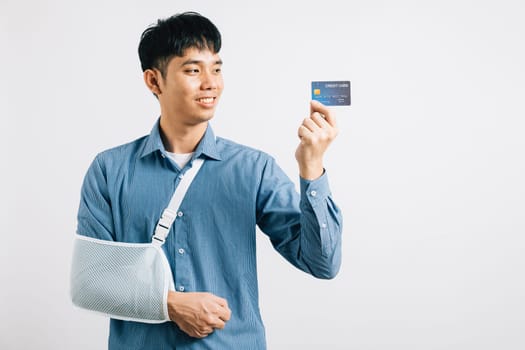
(173, 301)
(311, 172)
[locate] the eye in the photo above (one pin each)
(192, 71)
(218, 70)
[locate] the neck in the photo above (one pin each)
(181, 138)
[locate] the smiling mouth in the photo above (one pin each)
(206, 100)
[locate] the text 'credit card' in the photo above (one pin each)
(331, 93)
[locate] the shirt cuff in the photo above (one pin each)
(315, 191)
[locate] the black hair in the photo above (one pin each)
(170, 37)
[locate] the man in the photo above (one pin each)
(211, 247)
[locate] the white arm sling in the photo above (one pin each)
(128, 281)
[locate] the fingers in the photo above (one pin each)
(303, 131)
(221, 301)
(219, 324)
(224, 314)
(316, 106)
(201, 333)
(212, 322)
(223, 311)
(315, 124)
(207, 326)
(220, 315)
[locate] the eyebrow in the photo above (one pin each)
(191, 61)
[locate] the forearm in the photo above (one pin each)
(102, 282)
(304, 228)
(311, 240)
(321, 226)
(320, 252)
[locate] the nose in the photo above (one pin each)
(210, 80)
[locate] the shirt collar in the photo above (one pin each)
(207, 145)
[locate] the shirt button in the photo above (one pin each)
(313, 193)
(179, 214)
(163, 155)
(181, 289)
(181, 176)
(323, 225)
(181, 251)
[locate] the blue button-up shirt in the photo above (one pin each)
(211, 245)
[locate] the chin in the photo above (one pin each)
(203, 118)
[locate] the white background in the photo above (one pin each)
(428, 168)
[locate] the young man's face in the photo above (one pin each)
(192, 86)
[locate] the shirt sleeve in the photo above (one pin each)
(304, 228)
(94, 214)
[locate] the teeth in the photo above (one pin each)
(206, 100)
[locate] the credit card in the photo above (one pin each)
(331, 93)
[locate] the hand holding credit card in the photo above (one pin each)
(331, 93)
(316, 133)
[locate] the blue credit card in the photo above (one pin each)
(331, 93)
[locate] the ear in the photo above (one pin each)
(153, 80)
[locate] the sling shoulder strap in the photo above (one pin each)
(170, 213)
